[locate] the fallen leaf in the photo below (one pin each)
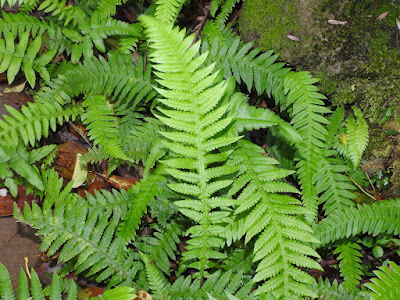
(65, 160)
(383, 15)
(15, 89)
(336, 22)
(7, 201)
(90, 292)
(398, 23)
(119, 182)
(96, 183)
(343, 138)
(143, 295)
(293, 38)
(80, 171)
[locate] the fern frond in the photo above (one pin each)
(117, 77)
(18, 160)
(64, 12)
(335, 187)
(283, 242)
(144, 192)
(350, 263)
(20, 23)
(84, 236)
(168, 10)
(191, 110)
(356, 137)
(159, 285)
(251, 66)
(162, 247)
(23, 54)
(34, 121)
(56, 290)
(335, 291)
(100, 121)
(226, 8)
(372, 218)
(107, 8)
(217, 285)
(386, 285)
(307, 109)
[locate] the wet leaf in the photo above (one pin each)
(65, 160)
(7, 200)
(119, 182)
(90, 292)
(15, 89)
(143, 295)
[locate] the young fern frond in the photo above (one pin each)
(163, 246)
(64, 12)
(306, 110)
(56, 290)
(350, 263)
(168, 10)
(192, 112)
(386, 285)
(84, 234)
(283, 240)
(34, 121)
(107, 8)
(372, 218)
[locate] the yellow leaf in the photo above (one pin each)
(80, 171)
(343, 138)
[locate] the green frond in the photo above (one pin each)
(106, 8)
(19, 160)
(19, 23)
(84, 235)
(168, 10)
(118, 78)
(34, 121)
(372, 218)
(333, 184)
(335, 291)
(350, 263)
(194, 136)
(159, 285)
(386, 285)
(357, 137)
(283, 240)
(239, 260)
(162, 246)
(334, 127)
(249, 117)
(23, 54)
(100, 121)
(143, 193)
(59, 288)
(226, 8)
(216, 285)
(64, 12)
(306, 109)
(251, 66)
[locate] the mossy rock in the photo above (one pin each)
(358, 62)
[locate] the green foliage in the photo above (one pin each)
(283, 240)
(386, 286)
(336, 291)
(56, 290)
(225, 8)
(168, 10)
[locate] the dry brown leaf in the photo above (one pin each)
(383, 15)
(143, 295)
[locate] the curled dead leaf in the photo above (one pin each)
(336, 22)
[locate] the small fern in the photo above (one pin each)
(386, 285)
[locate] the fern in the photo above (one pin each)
(106, 8)
(194, 137)
(86, 236)
(35, 292)
(372, 218)
(386, 286)
(350, 263)
(168, 10)
(273, 216)
(162, 247)
(34, 121)
(336, 291)
(225, 7)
